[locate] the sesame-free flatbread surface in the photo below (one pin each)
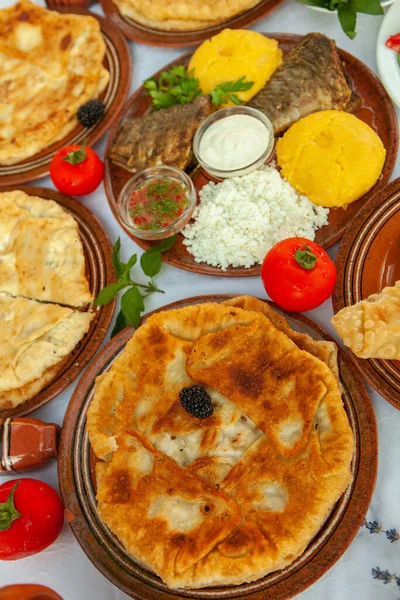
(50, 64)
(279, 443)
(41, 253)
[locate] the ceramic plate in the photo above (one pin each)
(107, 553)
(155, 37)
(118, 63)
(388, 66)
(377, 110)
(367, 261)
(99, 272)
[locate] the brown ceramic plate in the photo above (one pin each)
(175, 39)
(377, 110)
(367, 261)
(107, 553)
(118, 63)
(99, 272)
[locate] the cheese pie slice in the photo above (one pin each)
(34, 340)
(41, 253)
(371, 328)
(166, 517)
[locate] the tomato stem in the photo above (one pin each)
(76, 156)
(8, 512)
(305, 258)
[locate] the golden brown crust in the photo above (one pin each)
(260, 382)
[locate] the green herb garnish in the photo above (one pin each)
(347, 11)
(178, 86)
(226, 91)
(305, 258)
(132, 301)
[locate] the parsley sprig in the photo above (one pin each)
(179, 86)
(347, 11)
(132, 301)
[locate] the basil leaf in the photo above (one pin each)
(120, 324)
(132, 305)
(348, 19)
(151, 260)
(131, 262)
(117, 264)
(108, 293)
(320, 3)
(369, 7)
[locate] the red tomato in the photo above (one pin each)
(394, 42)
(298, 274)
(31, 518)
(76, 170)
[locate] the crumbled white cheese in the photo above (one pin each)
(241, 218)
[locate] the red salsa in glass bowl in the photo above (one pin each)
(157, 202)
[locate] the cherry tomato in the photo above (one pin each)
(394, 42)
(27, 591)
(298, 274)
(31, 518)
(76, 170)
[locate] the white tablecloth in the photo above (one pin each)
(64, 566)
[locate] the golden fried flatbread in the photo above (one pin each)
(50, 64)
(34, 339)
(183, 14)
(41, 253)
(278, 434)
(167, 517)
(371, 328)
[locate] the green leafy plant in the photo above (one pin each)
(347, 11)
(132, 301)
(179, 86)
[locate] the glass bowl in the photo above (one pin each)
(229, 112)
(136, 182)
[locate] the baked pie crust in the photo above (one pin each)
(278, 446)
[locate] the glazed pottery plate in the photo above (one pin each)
(118, 62)
(75, 467)
(156, 37)
(377, 110)
(388, 66)
(367, 261)
(99, 272)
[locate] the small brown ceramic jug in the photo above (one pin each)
(26, 444)
(27, 592)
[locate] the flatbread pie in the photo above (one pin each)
(183, 14)
(34, 339)
(278, 434)
(50, 64)
(41, 253)
(371, 327)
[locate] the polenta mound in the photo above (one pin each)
(233, 54)
(332, 157)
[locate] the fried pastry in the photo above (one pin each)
(34, 339)
(371, 327)
(50, 64)
(278, 433)
(41, 253)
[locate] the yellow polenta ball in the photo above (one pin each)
(332, 157)
(236, 53)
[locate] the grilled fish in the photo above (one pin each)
(310, 79)
(161, 138)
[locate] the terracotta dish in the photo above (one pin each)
(377, 111)
(175, 39)
(28, 592)
(118, 63)
(78, 490)
(367, 261)
(99, 273)
(26, 444)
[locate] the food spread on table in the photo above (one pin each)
(196, 452)
(370, 328)
(42, 287)
(51, 64)
(183, 15)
